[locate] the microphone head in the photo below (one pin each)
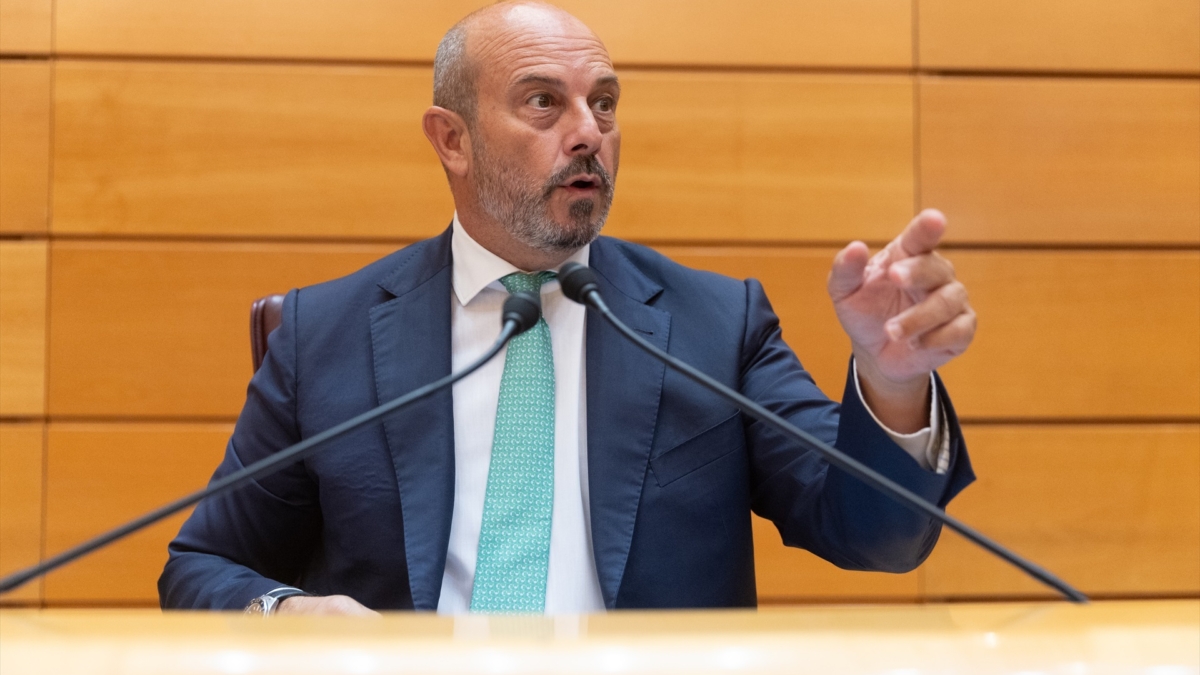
(577, 281)
(523, 309)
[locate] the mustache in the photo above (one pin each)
(578, 164)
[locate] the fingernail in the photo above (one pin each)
(893, 330)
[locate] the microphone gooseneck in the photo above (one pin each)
(579, 284)
(521, 311)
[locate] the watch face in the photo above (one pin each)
(256, 607)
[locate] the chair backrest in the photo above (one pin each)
(265, 316)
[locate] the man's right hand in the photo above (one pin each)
(328, 605)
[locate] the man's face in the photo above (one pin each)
(546, 144)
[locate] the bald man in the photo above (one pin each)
(573, 473)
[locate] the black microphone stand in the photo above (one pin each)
(579, 284)
(521, 311)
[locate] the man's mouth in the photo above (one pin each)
(581, 184)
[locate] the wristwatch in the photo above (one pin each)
(265, 604)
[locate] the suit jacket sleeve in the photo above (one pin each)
(819, 507)
(258, 537)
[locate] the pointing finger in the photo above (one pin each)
(847, 273)
(922, 234)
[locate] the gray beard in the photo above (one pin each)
(525, 213)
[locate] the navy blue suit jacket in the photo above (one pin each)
(674, 472)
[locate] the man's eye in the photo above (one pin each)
(604, 105)
(540, 100)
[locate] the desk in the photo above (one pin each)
(1143, 638)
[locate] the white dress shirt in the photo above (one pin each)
(573, 585)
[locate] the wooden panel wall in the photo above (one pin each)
(162, 164)
(24, 146)
(22, 328)
(1140, 36)
(21, 503)
(864, 33)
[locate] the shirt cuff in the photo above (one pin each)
(930, 447)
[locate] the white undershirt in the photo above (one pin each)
(572, 585)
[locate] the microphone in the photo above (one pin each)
(521, 311)
(578, 283)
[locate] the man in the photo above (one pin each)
(575, 473)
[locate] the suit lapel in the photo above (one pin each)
(623, 389)
(410, 343)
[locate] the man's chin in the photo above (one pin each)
(566, 237)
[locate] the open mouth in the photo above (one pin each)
(581, 184)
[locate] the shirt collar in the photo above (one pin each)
(476, 268)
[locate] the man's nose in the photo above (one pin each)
(583, 135)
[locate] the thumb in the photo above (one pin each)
(847, 273)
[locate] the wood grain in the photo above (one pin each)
(789, 575)
(20, 504)
(163, 329)
(301, 151)
(160, 329)
(1072, 35)
(100, 475)
(24, 146)
(1062, 161)
(763, 157)
(25, 26)
(22, 328)
(1080, 334)
(874, 33)
(1112, 509)
(245, 150)
(1062, 334)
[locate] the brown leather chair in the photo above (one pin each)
(265, 316)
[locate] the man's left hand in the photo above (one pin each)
(903, 309)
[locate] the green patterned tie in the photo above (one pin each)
(514, 541)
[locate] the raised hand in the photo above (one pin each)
(903, 309)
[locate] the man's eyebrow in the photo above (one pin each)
(609, 80)
(541, 79)
(555, 82)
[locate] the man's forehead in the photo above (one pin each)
(533, 41)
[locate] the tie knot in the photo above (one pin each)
(528, 283)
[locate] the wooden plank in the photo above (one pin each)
(22, 328)
(1062, 334)
(20, 504)
(1071, 35)
(875, 33)
(25, 26)
(1082, 334)
(301, 151)
(789, 575)
(1063, 161)
(245, 150)
(24, 146)
(1114, 510)
(99, 476)
(163, 329)
(1066, 334)
(763, 157)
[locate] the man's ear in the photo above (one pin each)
(447, 132)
